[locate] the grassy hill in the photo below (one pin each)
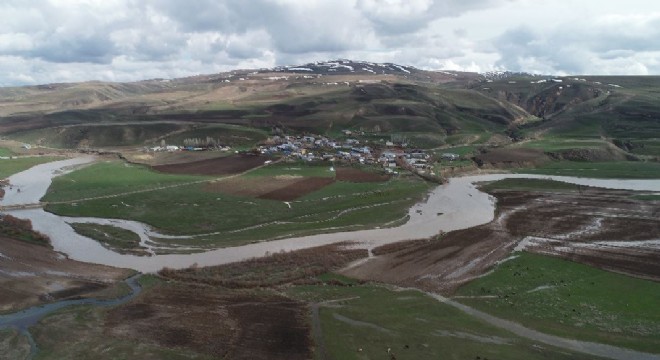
(577, 118)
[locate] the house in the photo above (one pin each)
(418, 155)
(450, 156)
(389, 155)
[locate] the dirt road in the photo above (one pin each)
(605, 351)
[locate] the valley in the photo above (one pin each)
(333, 210)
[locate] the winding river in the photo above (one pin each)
(452, 206)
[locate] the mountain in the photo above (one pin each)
(430, 108)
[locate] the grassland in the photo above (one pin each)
(111, 178)
(117, 239)
(6, 152)
(647, 197)
(372, 322)
(347, 319)
(190, 209)
(571, 300)
(608, 169)
(12, 166)
(559, 144)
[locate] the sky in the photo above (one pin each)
(129, 40)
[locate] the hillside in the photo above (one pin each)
(428, 108)
(621, 110)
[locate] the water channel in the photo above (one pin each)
(24, 319)
(452, 206)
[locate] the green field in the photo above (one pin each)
(111, 178)
(6, 152)
(10, 167)
(557, 144)
(647, 197)
(459, 150)
(364, 321)
(645, 147)
(190, 209)
(571, 300)
(612, 169)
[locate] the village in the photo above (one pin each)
(391, 156)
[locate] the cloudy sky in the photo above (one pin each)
(123, 40)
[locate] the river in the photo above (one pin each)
(451, 206)
(24, 319)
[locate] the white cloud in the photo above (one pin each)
(123, 40)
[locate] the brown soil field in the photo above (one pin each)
(571, 225)
(215, 322)
(32, 275)
(298, 189)
(296, 267)
(251, 186)
(508, 157)
(169, 158)
(231, 311)
(358, 176)
(281, 188)
(226, 165)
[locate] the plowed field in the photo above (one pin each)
(359, 176)
(218, 166)
(216, 323)
(281, 188)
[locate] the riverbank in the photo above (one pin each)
(451, 206)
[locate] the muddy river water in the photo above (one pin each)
(452, 206)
